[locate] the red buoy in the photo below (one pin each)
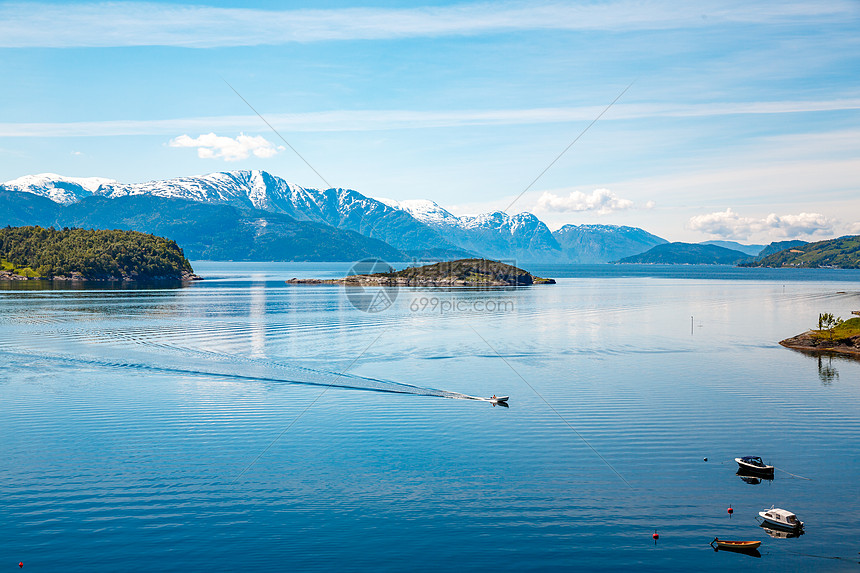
(730, 510)
(20, 564)
(656, 536)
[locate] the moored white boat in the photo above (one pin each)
(781, 518)
(754, 465)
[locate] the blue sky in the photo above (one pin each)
(742, 121)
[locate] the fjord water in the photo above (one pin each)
(207, 427)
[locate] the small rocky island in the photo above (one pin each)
(37, 253)
(841, 338)
(463, 272)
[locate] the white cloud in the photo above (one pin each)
(149, 24)
(731, 225)
(211, 146)
(603, 201)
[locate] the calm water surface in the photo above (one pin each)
(207, 428)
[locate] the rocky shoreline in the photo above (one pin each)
(812, 343)
(78, 277)
(463, 272)
(385, 281)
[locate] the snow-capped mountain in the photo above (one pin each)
(604, 243)
(60, 189)
(340, 208)
(521, 237)
(418, 227)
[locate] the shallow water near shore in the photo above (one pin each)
(242, 423)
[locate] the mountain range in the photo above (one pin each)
(259, 210)
(204, 231)
(254, 215)
(712, 253)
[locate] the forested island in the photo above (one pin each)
(462, 272)
(89, 254)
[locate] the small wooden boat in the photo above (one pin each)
(735, 545)
(754, 465)
(781, 518)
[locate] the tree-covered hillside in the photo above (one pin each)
(843, 253)
(91, 254)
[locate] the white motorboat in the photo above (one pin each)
(781, 518)
(498, 399)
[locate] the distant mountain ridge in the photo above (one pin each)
(778, 246)
(688, 254)
(419, 228)
(603, 243)
(709, 253)
(496, 235)
(751, 250)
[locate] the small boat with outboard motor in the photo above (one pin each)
(753, 465)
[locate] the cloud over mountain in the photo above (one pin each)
(212, 146)
(731, 225)
(603, 201)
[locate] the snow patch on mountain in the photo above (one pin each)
(426, 211)
(58, 188)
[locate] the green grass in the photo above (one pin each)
(847, 329)
(850, 327)
(23, 271)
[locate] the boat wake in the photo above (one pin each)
(203, 363)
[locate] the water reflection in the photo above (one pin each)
(826, 372)
(257, 317)
(781, 533)
(752, 479)
(35, 285)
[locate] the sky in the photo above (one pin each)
(731, 120)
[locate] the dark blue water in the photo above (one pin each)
(243, 424)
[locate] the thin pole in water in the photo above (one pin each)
(691, 326)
